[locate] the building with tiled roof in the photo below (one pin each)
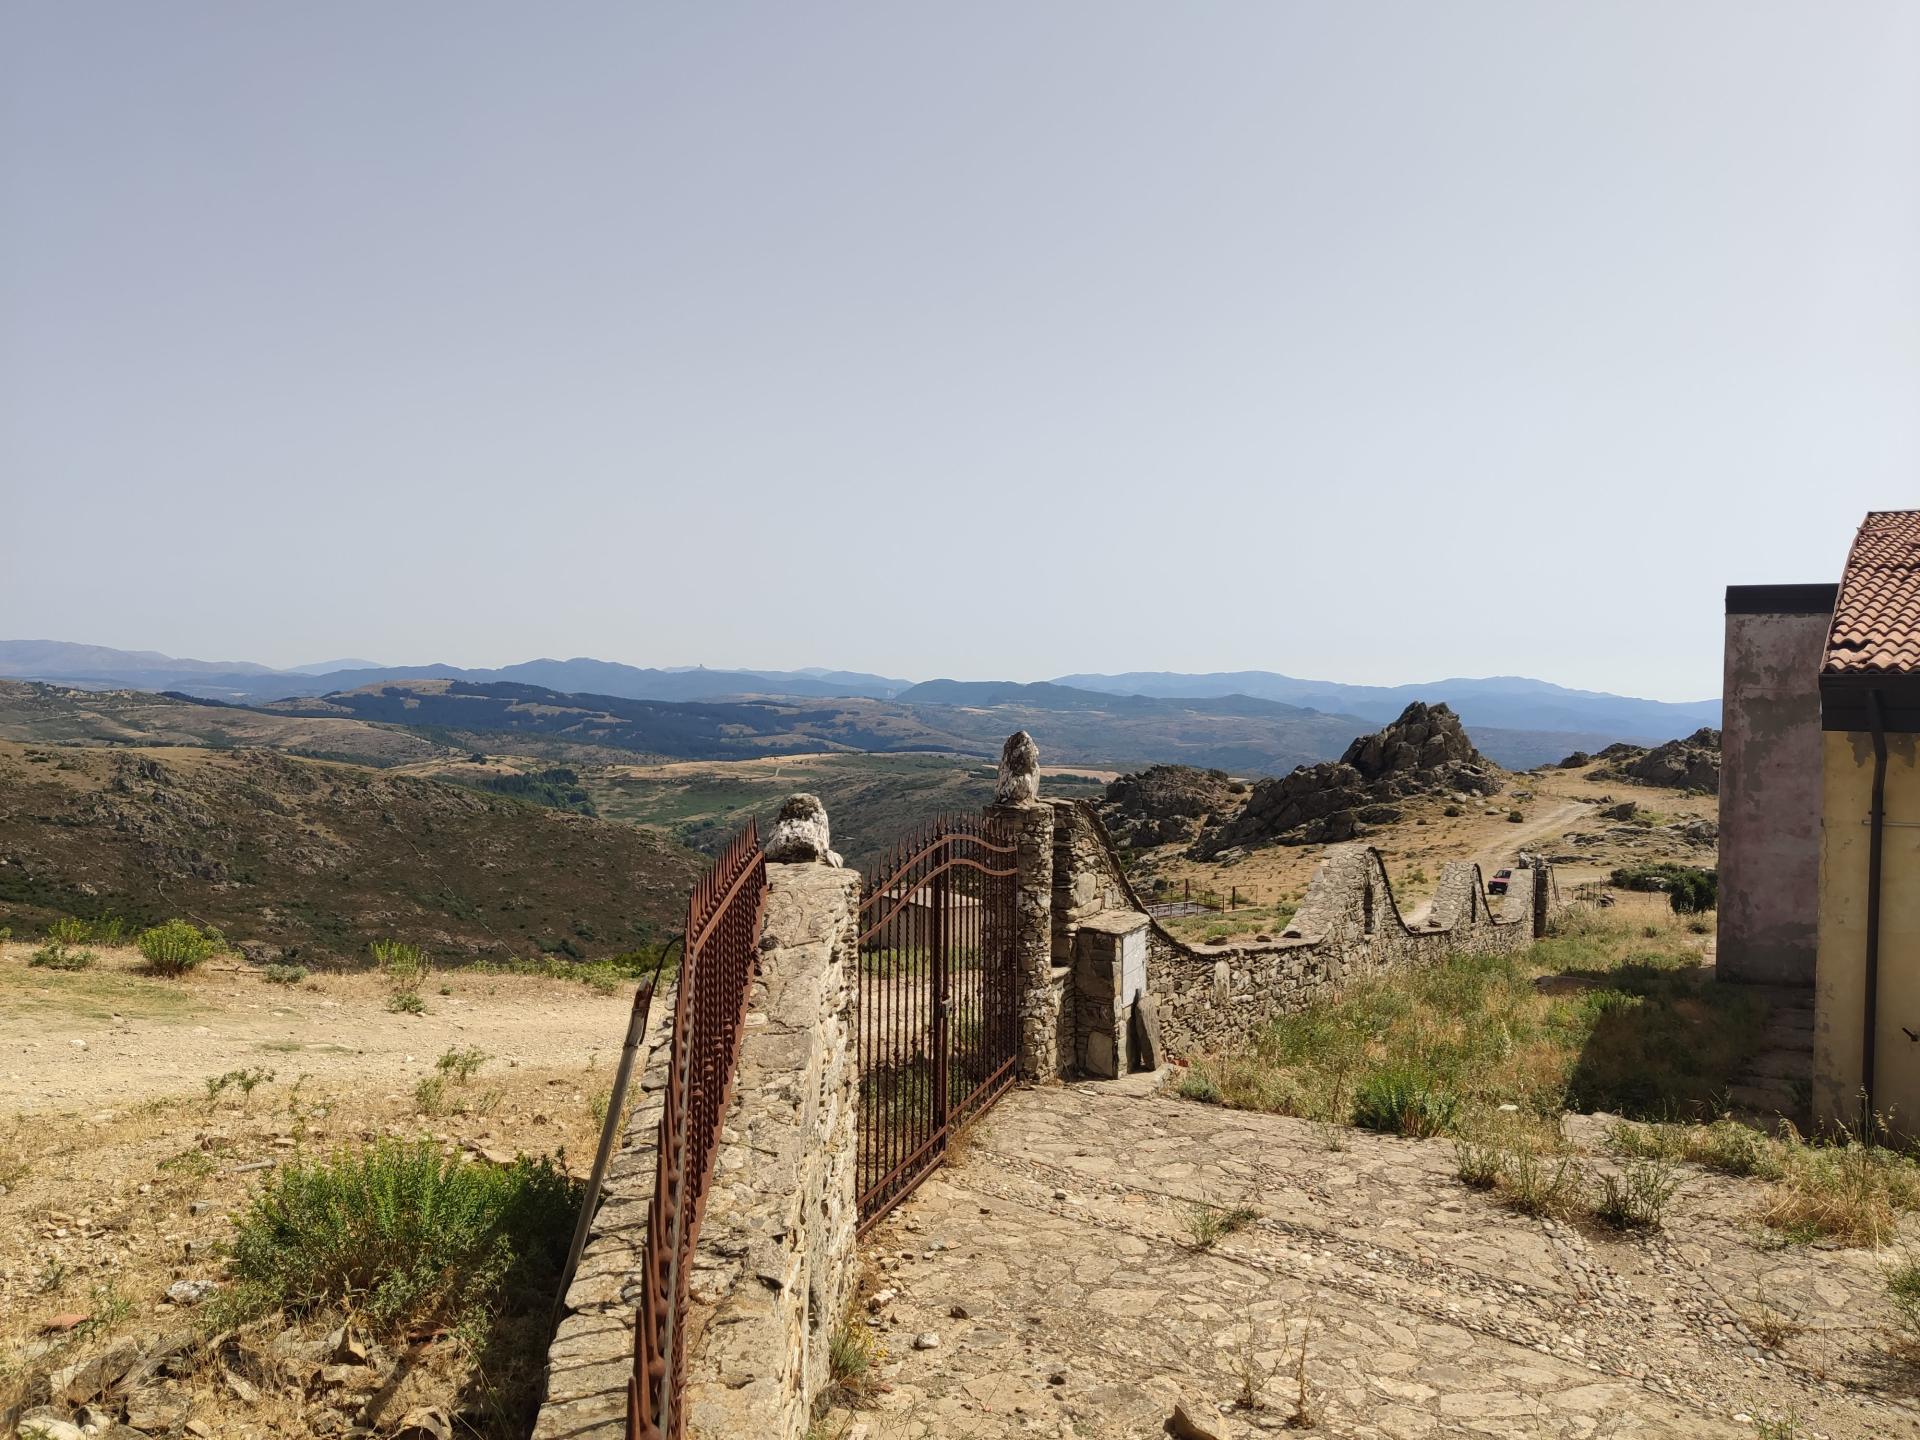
(1820, 817)
(1867, 972)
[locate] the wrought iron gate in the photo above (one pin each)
(937, 1032)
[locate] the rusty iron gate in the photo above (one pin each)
(709, 1011)
(937, 1031)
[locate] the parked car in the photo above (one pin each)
(1498, 884)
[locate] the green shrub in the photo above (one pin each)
(459, 1065)
(69, 930)
(1404, 1100)
(405, 965)
(1514, 817)
(1689, 889)
(177, 946)
(404, 1235)
(285, 974)
(406, 1002)
(57, 955)
(1198, 1085)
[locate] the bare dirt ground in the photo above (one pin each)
(122, 1168)
(1058, 1270)
(110, 1036)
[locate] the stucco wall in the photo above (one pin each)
(1840, 989)
(1770, 796)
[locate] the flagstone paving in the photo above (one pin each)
(1056, 1266)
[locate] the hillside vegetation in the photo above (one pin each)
(872, 800)
(316, 859)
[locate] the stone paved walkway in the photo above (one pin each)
(1056, 1266)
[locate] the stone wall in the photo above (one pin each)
(1348, 925)
(773, 1271)
(592, 1353)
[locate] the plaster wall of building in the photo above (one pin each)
(1840, 988)
(1770, 783)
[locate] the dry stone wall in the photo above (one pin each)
(773, 1271)
(592, 1352)
(1348, 926)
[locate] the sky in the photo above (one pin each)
(1372, 343)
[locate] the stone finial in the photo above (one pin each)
(800, 833)
(1019, 771)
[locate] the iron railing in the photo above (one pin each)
(709, 1012)
(937, 1034)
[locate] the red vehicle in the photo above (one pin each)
(1498, 884)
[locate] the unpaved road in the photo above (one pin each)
(109, 1035)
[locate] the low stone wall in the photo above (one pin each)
(1348, 925)
(592, 1353)
(773, 1271)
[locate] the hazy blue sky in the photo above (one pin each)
(1367, 342)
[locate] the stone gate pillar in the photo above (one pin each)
(1038, 988)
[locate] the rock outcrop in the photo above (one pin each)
(1425, 752)
(1166, 804)
(1689, 764)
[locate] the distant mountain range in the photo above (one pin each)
(96, 667)
(1507, 701)
(1251, 720)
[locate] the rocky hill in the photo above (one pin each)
(313, 858)
(1689, 764)
(1426, 751)
(1166, 804)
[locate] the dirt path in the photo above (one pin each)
(110, 1036)
(1059, 1268)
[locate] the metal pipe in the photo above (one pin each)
(1876, 821)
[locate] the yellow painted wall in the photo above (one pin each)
(1839, 984)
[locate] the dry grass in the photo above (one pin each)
(105, 1210)
(1844, 1190)
(1603, 1015)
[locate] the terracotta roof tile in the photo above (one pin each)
(1876, 616)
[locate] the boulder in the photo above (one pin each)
(1425, 752)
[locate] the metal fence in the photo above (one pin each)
(710, 1007)
(937, 1032)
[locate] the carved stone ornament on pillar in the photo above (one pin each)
(800, 834)
(1019, 771)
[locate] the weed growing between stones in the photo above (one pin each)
(1844, 1190)
(1637, 1197)
(1903, 1289)
(853, 1355)
(1207, 1225)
